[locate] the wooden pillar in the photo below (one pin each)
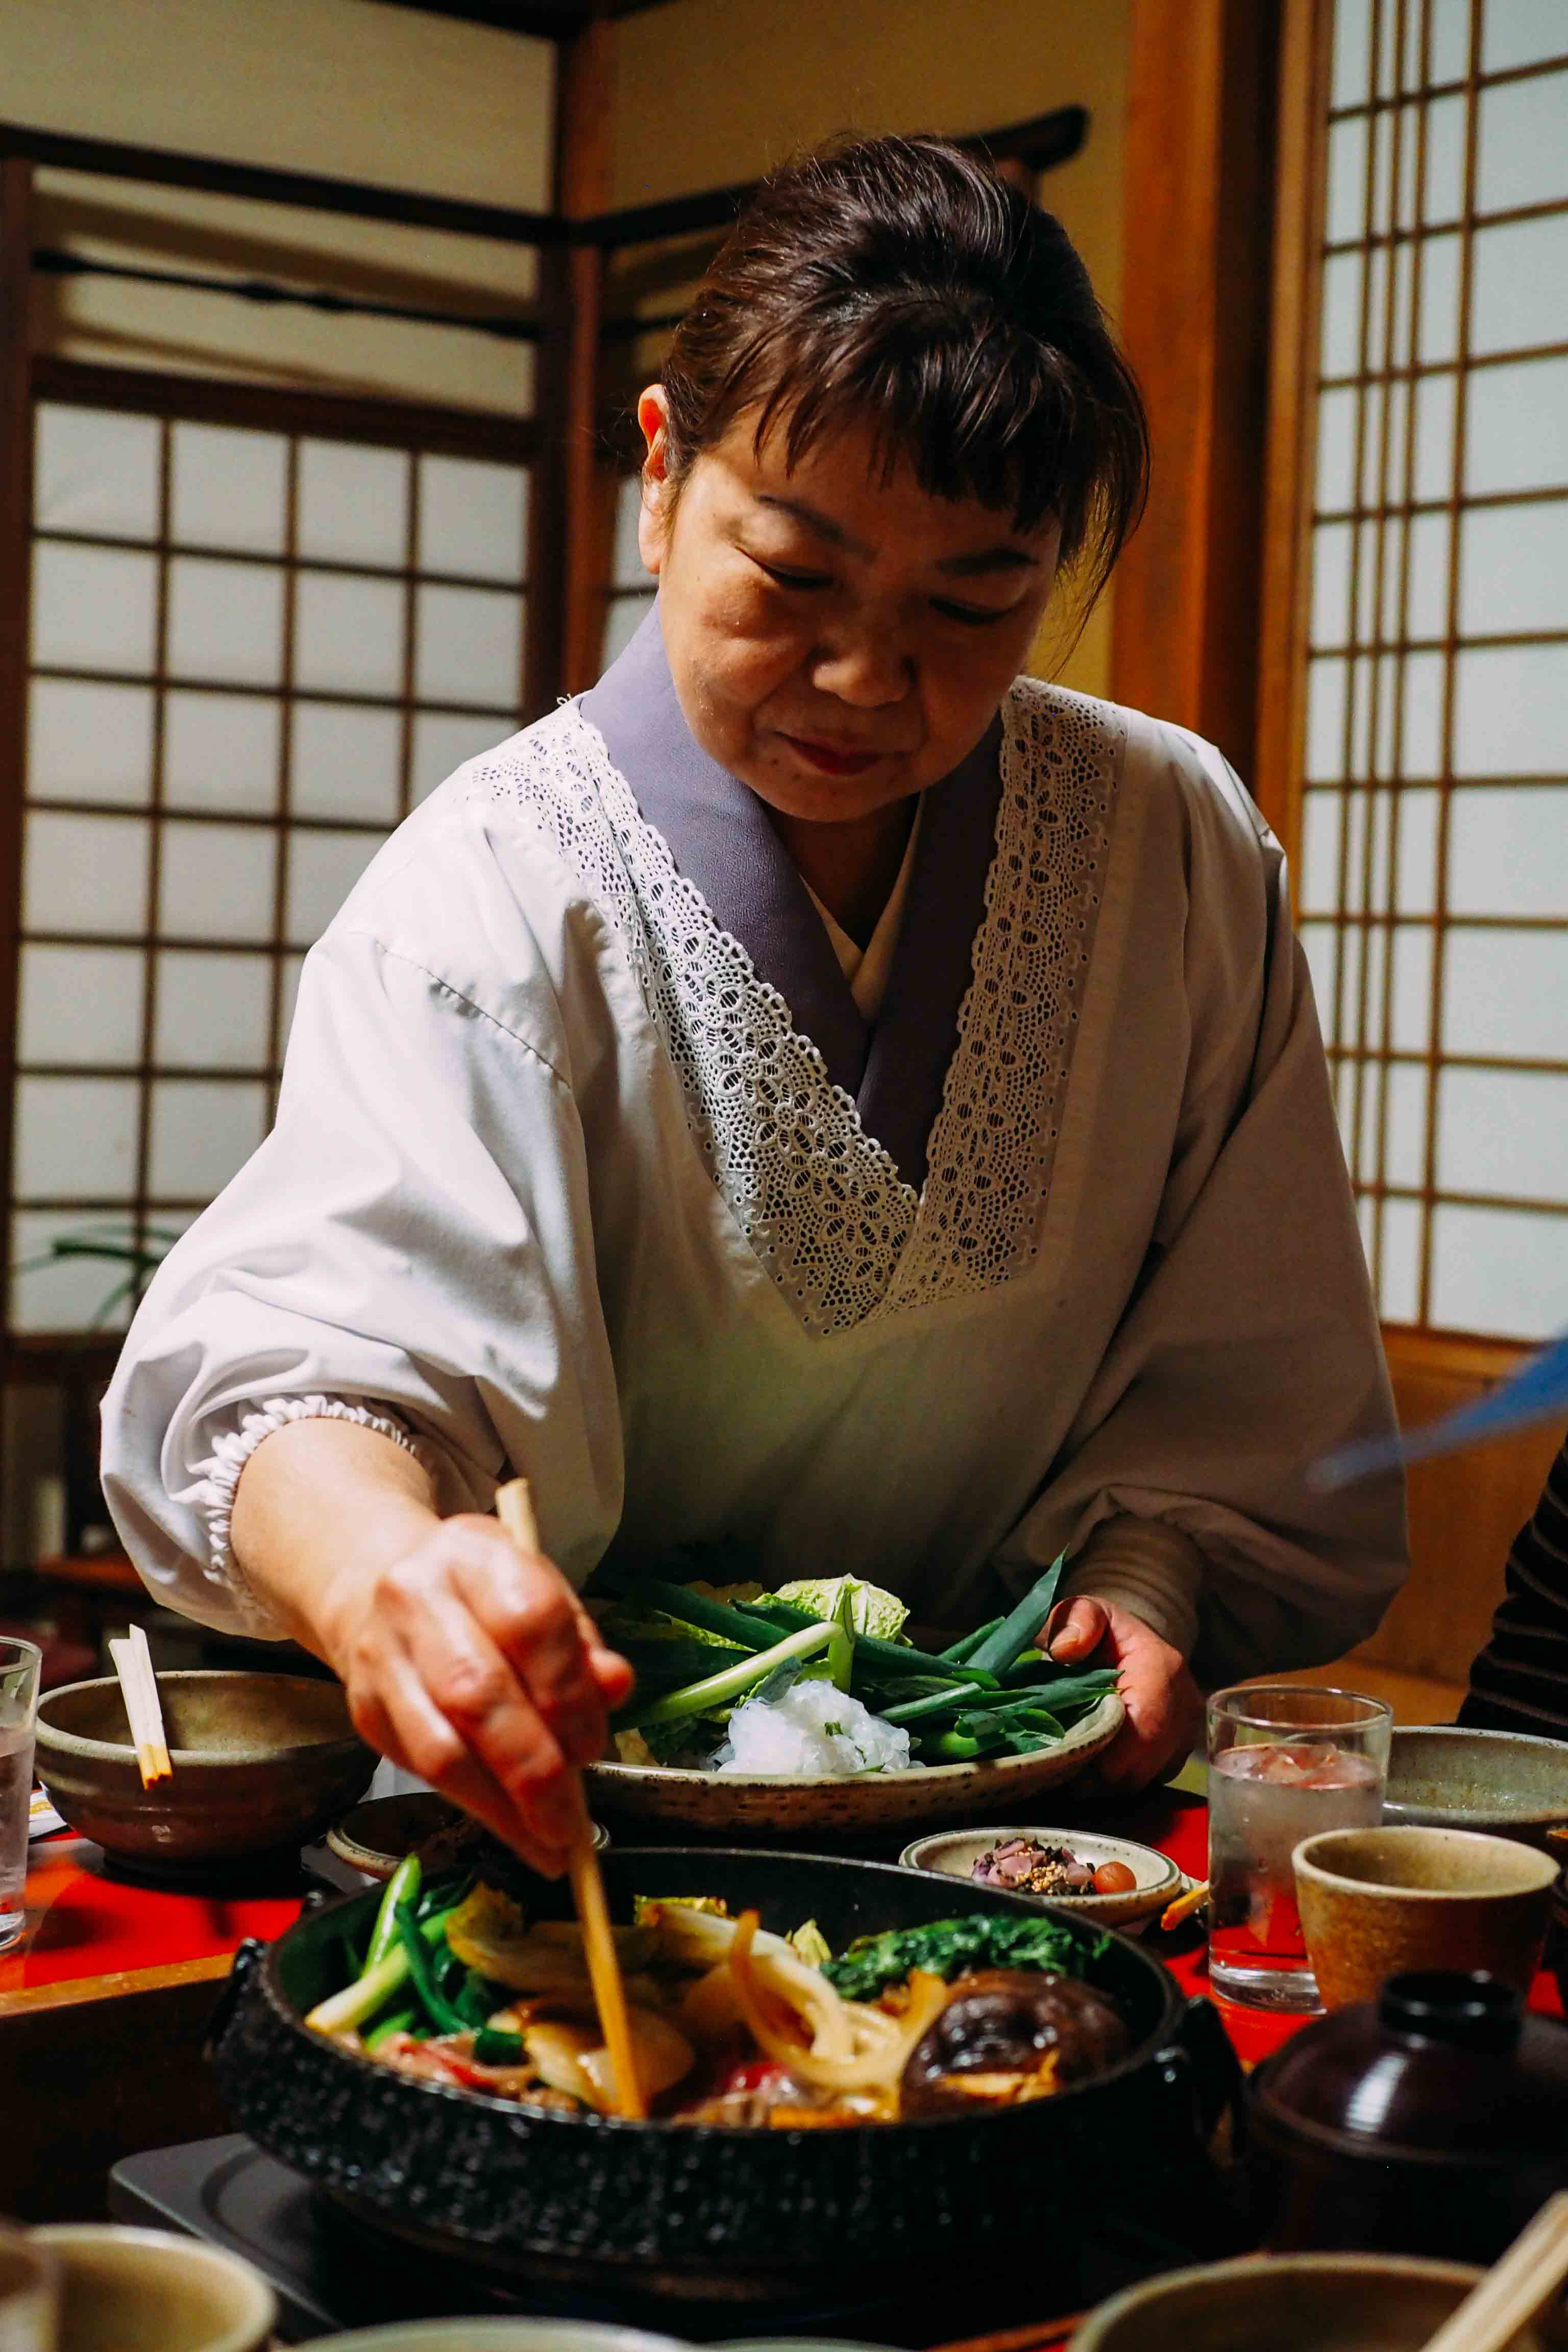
(15, 509)
(1195, 317)
(569, 530)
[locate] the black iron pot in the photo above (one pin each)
(702, 2211)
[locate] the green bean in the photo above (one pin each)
(402, 1886)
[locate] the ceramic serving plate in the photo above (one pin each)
(793, 1806)
(954, 1853)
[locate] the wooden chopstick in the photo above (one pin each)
(134, 1664)
(1513, 2290)
(514, 1508)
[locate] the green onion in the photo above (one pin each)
(737, 1625)
(958, 1652)
(397, 2020)
(497, 2049)
(733, 1682)
(841, 1645)
(343, 2012)
(999, 1649)
(936, 1701)
(402, 1886)
(440, 2012)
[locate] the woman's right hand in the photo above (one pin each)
(476, 1666)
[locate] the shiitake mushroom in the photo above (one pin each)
(1009, 2035)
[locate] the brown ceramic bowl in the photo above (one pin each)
(261, 1762)
(1377, 1902)
(1444, 1776)
(375, 1836)
(1294, 2303)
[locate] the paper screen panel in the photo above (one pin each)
(1503, 1132)
(226, 621)
(1399, 1261)
(627, 569)
(76, 1138)
(90, 742)
(1505, 994)
(215, 881)
(1522, 156)
(345, 762)
(1518, 431)
(473, 519)
(1502, 1271)
(468, 646)
(1508, 851)
(85, 873)
(292, 966)
(94, 608)
(221, 752)
(213, 1009)
(1513, 569)
(1510, 710)
(203, 1131)
(230, 487)
(1405, 1133)
(96, 472)
(1519, 33)
(348, 633)
(1520, 292)
(623, 617)
(1416, 851)
(354, 504)
(80, 1004)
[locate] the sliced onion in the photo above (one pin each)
(662, 2058)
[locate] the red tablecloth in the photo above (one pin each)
(82, 1922)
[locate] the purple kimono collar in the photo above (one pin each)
(718, 834)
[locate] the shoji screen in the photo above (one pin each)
(252, 652)
(1433, 878)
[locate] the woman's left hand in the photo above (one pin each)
(1164, 1706)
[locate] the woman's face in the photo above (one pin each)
(837, 642)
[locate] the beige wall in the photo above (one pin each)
(709, 91)
(344, 88)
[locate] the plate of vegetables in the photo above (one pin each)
(808, 1709)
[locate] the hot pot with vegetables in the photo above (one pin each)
(851, 2069)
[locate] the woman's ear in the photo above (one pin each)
(653, 523)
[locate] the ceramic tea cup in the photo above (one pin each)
(1378, 1902)
(1294, 2303)
(149, 2291)
(29, 2294)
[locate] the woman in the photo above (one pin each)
(820, 1088)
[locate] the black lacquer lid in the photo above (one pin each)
(1441, 2066)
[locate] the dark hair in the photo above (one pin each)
(902, 282)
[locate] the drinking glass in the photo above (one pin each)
(19, 1664)
(1285, 1760)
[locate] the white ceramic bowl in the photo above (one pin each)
(954, 1853)
(496, 2336)
(151, 2291)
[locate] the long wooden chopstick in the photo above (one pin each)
(514, 1508)
(1513, 2290)
(134, 1664)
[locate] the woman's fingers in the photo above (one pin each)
(477, 1693)
(540, 1629)
(402, 1722)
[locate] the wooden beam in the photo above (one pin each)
(1195, 317)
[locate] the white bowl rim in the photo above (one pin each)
(63, 2237)
(1531, 1880)
(1351, 2265)
(1157, 1890)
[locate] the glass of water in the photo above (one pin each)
(1285, 1760)
(19, 1665)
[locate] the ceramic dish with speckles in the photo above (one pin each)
(954, 1853)
(1444, 1776)
(778, 1805)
